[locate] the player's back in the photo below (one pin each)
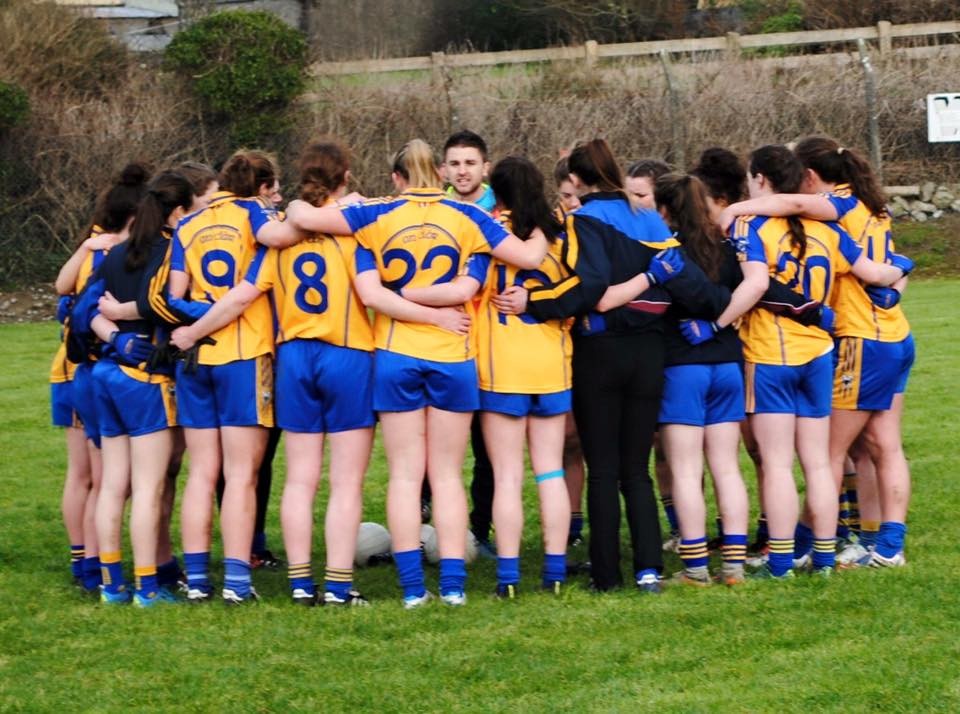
(216, 247)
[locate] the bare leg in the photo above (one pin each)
(242, 453)
(150, 458)
(504, 436)
(545, 436)
(447, 434)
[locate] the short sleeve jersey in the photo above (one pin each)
(313, 295)
(420, 238)
(217, 248)
(857, 316)
(518, 354)
(830, 251)
(62, 369)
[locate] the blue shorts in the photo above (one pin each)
(322, 388)
(85, 402)
(702, 394)
(867, 373)
(238, 393)
(521, 405)
(127, 406)
(803, 390)
(61, 405)
(403, 384)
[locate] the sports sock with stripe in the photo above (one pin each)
(197, 566)
(734, 548)
(868, 533)
(693, 552)
(76, 561)
(236, 576)
(339, 581)
(781, 556)
(111, 571)
(824, 553)
(300, 576)
(145, 580)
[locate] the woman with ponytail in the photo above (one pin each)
(875, 349)
(703, 397)
(425, 378)
(72, 385)
(788, 365)
(135, 400)
(323, 380)
(225, 399)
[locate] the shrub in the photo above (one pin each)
(14, 105)
(244, 67)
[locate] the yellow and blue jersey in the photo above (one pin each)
(769, 338)
(420, 238)
(518, 354)
(217, 248)
(857, 316)
(62, 369)
(313, 295)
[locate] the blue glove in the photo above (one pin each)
(696, 332)
(827, 319)
(64, 306)
(664, 266)
(130, 348)
(883, 297)
(897, 260)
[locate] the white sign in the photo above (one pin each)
(943, 117)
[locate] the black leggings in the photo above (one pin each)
(617, 382)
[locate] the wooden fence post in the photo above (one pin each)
(590, 52)
(733, 43)
(677, 154)
(884, 36)
(873, 119)
(437, 62)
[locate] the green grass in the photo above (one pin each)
(861, 641)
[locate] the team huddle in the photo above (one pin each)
(652, 311)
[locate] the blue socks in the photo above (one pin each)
(576, 525)
(670, 512)
(300, 576)
(554, 569)
(168, 573)
(76, 561)
(508, 571)
(781, 556)
(693, 553)
(890, 538)
(453, 575)
(259, 542)
(802, 540)
(339, 581)
(824, 553)
(91, 573)
(410, 572)
(236, 576)
(197, 566)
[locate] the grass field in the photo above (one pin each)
(861, 641)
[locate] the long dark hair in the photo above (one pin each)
(164, 194)
(323, 169)
(118, 202)
(594, 165)
(837, 164)
(785, 174)
(247, 170)
(723, 173)
(684, 199)
(518, 186)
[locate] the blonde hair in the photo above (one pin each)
(415, 162)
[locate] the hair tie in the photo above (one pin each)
(840, 151)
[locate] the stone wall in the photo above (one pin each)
(928, 202)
